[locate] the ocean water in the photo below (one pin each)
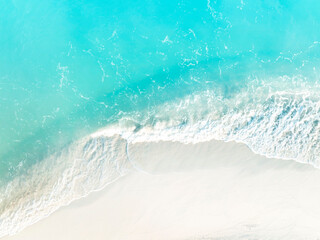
(80, 80)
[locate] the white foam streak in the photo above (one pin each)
(85, 166)
(272, 119)
(277, 120)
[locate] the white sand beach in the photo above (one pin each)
(211, 190)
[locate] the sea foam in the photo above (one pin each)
(84, 166)
(270, 118)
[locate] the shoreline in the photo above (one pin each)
(208, 190)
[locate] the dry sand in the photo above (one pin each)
(211, 190)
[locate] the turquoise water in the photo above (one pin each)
(243, 70)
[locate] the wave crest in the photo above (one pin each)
(278, 118)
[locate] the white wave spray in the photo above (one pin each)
(272, 119)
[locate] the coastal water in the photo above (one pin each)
(189, 71)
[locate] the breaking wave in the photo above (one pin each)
(277, 118)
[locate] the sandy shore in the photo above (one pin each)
(210, 190)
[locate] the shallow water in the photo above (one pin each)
(177, 70)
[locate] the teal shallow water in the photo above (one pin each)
(70, 67)
(242, 70)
